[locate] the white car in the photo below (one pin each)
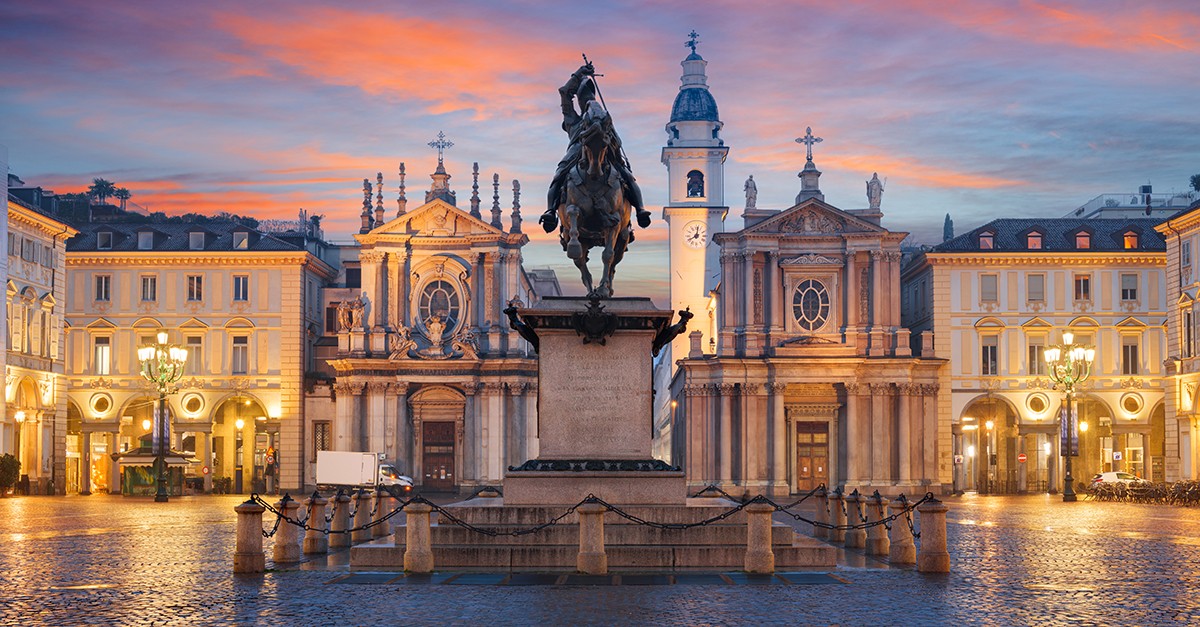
(1116, 477)
(389, 476)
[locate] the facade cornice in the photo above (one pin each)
(28, 217)
(198, 258)
(1045, 259)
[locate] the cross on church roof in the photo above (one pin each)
(693, 39)
(808, 140)
(441, 144)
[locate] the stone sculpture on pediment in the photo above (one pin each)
(465, 344)
(811, 221)
(810, 259)
(401, 343)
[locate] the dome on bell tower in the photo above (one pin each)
(694, 103)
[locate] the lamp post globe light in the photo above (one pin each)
(162, 365)
(1069, 365)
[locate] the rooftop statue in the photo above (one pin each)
(593, 194)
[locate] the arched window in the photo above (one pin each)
(440, 298)
(810, 305)
(695, 184)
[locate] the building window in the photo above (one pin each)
(331, 319)
(101, 356)
(103, 288)
(241, 240)
(149, 289)
(1189, 345)
(1083, 287)
(1129, 287)
(195, 360)
(196, 240)
(1037, 357)
(1131, 240)
(48, 256)
(1129, 354)
(104, 240)
(322, 437)
(810, 305)
(195, 287)
(1185, 253)
(440, 298)
(354, 277)
(989, 354)
(1035, 287)
(988, 288)
(241, 287)
(1033, 241)
(1083, 241)
(145, 240)
(695, 184)
(987, 241)
(240, 357)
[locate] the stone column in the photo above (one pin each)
(880, 440)
(725, 441)
(851, 301)
(753, 329)
(345, 435)
(314, 540)
(877, 304)
(779, 439)
(394, 305)
(248, 556)
(404, 433)
(759, 556)
(592, 559)
(933, 556)
(471, 434)
(755, 445)
(904, 431)
(493, 432)
(287, 538)
(929, 435)
(775, 291)
(501, 300)
(114, 469)
(418, 553)
(376, 417)
(1022, 472)
(854, 434)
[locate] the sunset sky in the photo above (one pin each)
(977, 109)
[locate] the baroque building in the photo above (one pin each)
(813, 379)
(1182, 385)
(427, 372)
(34, 428)
(244, 301)
(997, 297)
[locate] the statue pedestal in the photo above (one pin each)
(595, 406)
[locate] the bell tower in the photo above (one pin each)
(695, 211)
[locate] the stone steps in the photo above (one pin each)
(635, 535)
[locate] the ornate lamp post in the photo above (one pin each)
(162, 365)
(1069, 366)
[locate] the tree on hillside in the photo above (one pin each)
(122, 195)
(1196, 182)
(101, 189)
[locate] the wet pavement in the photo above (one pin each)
(108, 560)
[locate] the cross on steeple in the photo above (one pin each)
(441, 144)
(693, 39)
(808, 140)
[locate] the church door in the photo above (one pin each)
(438, 455)
(812, 455)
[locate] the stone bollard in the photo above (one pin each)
(822, 514)
(903, 550)
(287, 537)
(248, 554)
(314, 540)
(877, 538)
(837, 505)
(855, 538)
(418, 554)
(592, 560)
(933, 557)
(362, 517)
(384, 504)
(759, 556)
(338, 537)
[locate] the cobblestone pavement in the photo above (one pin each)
(108, 560)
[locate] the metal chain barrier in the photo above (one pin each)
(591, 498)
(908, 516)
(907, 511)
(455, 520)
(303, 524)
(878, 498)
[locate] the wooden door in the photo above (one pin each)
(437, 465)
(812, 455)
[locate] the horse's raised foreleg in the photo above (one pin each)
(586, 274)
(571, 224)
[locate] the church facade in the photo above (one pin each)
(802, 373)
(426, 370)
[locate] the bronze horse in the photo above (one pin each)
(595, 211)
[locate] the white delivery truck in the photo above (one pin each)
(355, 469)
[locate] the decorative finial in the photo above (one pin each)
(379, 198)
(496, 201)
(401, 200)
(693, 39)
(366, 210)
(475, 191)
(441, 144)
(808, 140)
(516, 212)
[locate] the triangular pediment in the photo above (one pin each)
(1036, 322)
(1187, 296)
(1131, 322)
(101, 323)
(193, 323)
(814, 217)
(436, 218)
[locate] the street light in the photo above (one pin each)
(1069, 365)
(237, 471)
(162, 365)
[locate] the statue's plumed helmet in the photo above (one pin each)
(586, 92)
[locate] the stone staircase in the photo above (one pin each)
(629, 546)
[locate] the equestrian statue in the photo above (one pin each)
(593, 195)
